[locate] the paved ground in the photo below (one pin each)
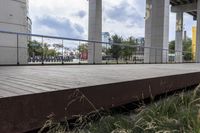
(22, 80)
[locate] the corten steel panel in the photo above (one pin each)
(24, 113)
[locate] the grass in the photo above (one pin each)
(179, 113)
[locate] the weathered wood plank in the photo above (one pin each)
(37, 79)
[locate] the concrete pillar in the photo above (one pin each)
(156, 31)
(179, 38)
(198, 33)
(148, 20)
(95, 31)
(13, 17)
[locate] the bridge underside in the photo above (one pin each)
(156, 28)
(189, 5)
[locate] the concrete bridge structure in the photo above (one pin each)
(156, 28)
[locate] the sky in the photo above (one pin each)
(69, 18)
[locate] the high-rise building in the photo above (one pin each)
(105, 37)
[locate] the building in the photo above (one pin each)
(14, 18)
(106, 37)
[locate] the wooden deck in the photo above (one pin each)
(23, 80)
(30, 93)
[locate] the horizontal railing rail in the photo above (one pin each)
(54, 49)
(72, 39)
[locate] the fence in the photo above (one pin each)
(23, 49)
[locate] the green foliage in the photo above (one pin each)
(179, 113)
(111, 123)
(187, 48)
(128, 50)
(51, 52)
(36, 48)
(176, 114)
(122, 48)
(116, 49)
(83, 48)
(172, 47)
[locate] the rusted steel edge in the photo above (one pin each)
(25, 113)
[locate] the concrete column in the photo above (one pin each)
(179, 38)
(198, 33)
(148, 20)
(95, 31)
(156, 31)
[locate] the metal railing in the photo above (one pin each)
(22, 49)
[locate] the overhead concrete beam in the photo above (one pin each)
(184, 8)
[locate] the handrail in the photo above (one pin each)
(82, 40)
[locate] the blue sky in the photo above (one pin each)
(69, 18)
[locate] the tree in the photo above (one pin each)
(46, 50)
(172, 47)
(57, 47)
(116, 49)
(83, 51)
(128, 48)
(83, 48)
(187, 49)
(51, 52)
(35, 48)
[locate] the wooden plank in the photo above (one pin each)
(21, 86)
(6, 93)
(37, 107)
(37, 79)
(13, 89)
(37, 83)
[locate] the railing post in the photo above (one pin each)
(18, 49)
(79, 53)
(162, 57)
(166, 56)
(62, 52)
(106, 53)
(155, 55)
(141, 49)
(42, 51)
(135, 54)
(175, 56)
(126, 57)
(94, 52)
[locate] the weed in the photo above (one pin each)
(179, 113)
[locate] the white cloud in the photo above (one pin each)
(76, 11)
(60, 9)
